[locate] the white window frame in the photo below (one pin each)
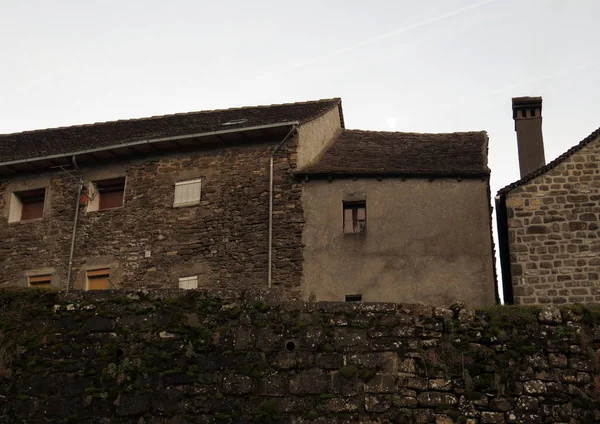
(190, 199)
(188, 283)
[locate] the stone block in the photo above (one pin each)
(312, 381)
(437, 399)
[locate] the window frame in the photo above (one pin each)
(96, 188)
(354, 206)
(189, 202)
(22, 197)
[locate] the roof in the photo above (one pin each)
(55, 141)
(357, 152)
(542, 170)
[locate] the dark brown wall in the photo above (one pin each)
(553, 233)
(223, 240)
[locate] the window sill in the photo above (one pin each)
(26, 221)
(106, 209)
(186, 205)
(355, 235)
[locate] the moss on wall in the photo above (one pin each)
(196, 356)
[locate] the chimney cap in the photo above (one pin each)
(519, 102)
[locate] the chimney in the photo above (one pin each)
(527, 113)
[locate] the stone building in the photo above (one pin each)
(548, 220)
(255, 197)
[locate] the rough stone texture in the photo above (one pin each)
(553, 232)
(96, 357)
(223, 240)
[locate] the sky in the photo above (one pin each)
(398, 65)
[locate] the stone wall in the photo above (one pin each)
(553, 233)
(148, 242)
(217, 357)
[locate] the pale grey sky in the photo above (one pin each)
(425, 66)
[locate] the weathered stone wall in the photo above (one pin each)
(223, 240)
(553, 233)
(195, 357)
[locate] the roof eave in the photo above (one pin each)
(29, 164)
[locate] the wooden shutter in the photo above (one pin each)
(32, 210)
(40, 281)
(111, 193)
(98, 279)
(187, 193)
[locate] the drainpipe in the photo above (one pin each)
(275, 150)
(80, 187)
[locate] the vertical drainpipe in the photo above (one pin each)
(275, 150)
(77, 200)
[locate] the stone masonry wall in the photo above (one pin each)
(554, 234)
(219, 357)
(223, 237)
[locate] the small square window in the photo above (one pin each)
(106, 194)
(187, 193)
(27, 205)
(188, 283)
(355, 217)
(98, 279)
(354, 298)
(40, 281)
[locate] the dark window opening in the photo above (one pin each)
(355, 217)
(32, 202)
(523, 111)
(111, 193)
(354, 298)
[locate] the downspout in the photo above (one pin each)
(275, 150)
(80, 187)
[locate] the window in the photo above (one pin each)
(354, 298)
(98, 279)
(187, 193)
(188, 283)
(106, 194)
(27, 205)
(355, 217)
(40, 281)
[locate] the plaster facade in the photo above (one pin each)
(552, 232)
(427, 241)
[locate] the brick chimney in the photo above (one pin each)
(527, 113)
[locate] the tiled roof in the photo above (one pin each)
(542, 170)
(357, 152)
(53, 141)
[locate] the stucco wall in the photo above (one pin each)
(553, 233)
(148, 242)
(316, 135)
(426, 241)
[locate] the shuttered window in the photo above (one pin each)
(40, 281)
(111, 193)
(27, 205)
(188, 283)
(187, 193)
(98, 279)
(355, 217)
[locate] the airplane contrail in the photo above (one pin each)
(386, 35)
(567, 71)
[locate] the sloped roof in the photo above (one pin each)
(54, 141)
(357, 152)
(542, 170)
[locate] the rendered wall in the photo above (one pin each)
(426, 241)
(172, 357)
(553, 233)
